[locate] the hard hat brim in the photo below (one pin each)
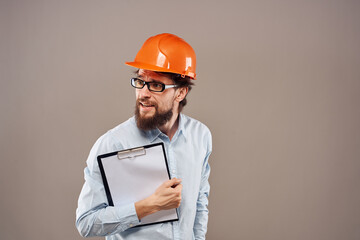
(150, 67)
(147, 67)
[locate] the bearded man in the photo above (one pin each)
(166, 70)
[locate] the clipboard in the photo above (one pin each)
(133, 174)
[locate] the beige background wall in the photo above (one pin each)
(278, 85)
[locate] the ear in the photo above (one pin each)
(181, 93)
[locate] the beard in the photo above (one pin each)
(155, 121)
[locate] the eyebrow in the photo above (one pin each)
(152, 80)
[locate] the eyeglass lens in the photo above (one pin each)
(153, 86)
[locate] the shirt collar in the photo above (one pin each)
(153, 134)
(182, 129)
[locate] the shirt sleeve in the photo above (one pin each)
(94, 217)
(201, 218)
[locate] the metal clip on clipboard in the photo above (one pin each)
(131, 153)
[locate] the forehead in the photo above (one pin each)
(149, 76)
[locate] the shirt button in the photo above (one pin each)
(173, 171)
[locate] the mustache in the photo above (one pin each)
(145, 101)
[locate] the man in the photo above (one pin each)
(166, 68)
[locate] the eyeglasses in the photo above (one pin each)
(152, 86)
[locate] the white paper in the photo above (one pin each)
(133, 179)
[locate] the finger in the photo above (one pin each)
(178, 187)
(171, 182)
(176, 183)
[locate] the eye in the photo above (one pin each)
(156, 86)
(139, 82)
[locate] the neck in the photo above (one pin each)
(171, 126)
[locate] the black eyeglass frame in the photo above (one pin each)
(163, 86)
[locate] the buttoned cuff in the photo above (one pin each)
(127, 215)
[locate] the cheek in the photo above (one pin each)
(163, 102)
(169, 102)
(137, 92)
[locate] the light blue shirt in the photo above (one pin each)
(187, 154)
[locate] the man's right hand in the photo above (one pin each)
(166, 196)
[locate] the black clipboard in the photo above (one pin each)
(133, 174)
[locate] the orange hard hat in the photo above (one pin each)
(166, 53)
